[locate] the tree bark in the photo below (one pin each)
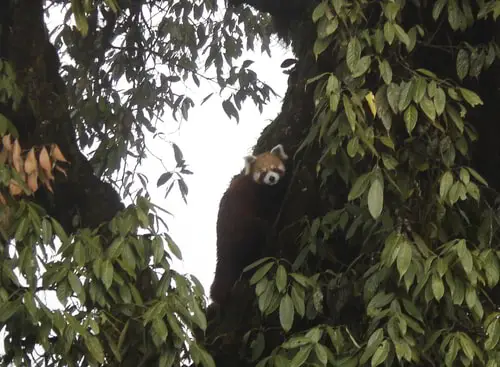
(81, 199)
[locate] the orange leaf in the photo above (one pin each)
(30, 165)
(2, 199)
(7, 143)
(16, 157)
(56, 153)
(45, 163)
(14, 188)
(33, 181)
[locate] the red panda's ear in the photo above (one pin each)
(279, 151)
(249, 159)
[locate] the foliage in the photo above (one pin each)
(420, 218)
(426, 232)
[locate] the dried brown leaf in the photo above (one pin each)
(7, 142)
(33, 181)
(17, 160)
(56, 153)
(14, 188)
(30, 164)
(45, 163)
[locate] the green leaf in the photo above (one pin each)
(319, 11)
(359, 187)
(382, 107)
(256, 263)
(385, 71)
(4, 122)
(465, 256)
(393, 94)
(320, 45)
(401, 34)
(230, 110)
(445, 184)
(391, 10)
(259, 274)
(75, 283)
(22, 229)
(477, 176)
(173, 247)
(378, 41)
(492, 269)
(351, 116)
(301, 357)
(455, 117)
(471, 297)
(437, 287)
(59, 231)
(438, 8)
(411, 117)
(389, 32)
(428, 107)
(352, 147)
(472, 98)
(406, 95)
(95, 348)
(404, 258)
(80, 18)
(353, 53)
(79, 254)
(286, 312)
(362, 66)
(7, 309)
(420, 89)
(462, 63)
(376, 197)
(380, 354)
(454, 15)
(298, 300)
(321, 353)
(439, 101)
(281, 278)
(372, 345)
(114, 250)
(107, 273)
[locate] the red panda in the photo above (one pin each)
(247, 211)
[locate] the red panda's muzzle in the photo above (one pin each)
(271, 177)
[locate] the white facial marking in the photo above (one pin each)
(281, 167)
(271, 178)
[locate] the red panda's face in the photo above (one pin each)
(267, 168)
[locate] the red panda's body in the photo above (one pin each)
(246, 213)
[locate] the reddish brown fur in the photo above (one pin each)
(246, 212)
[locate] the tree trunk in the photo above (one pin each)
(80, 200)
